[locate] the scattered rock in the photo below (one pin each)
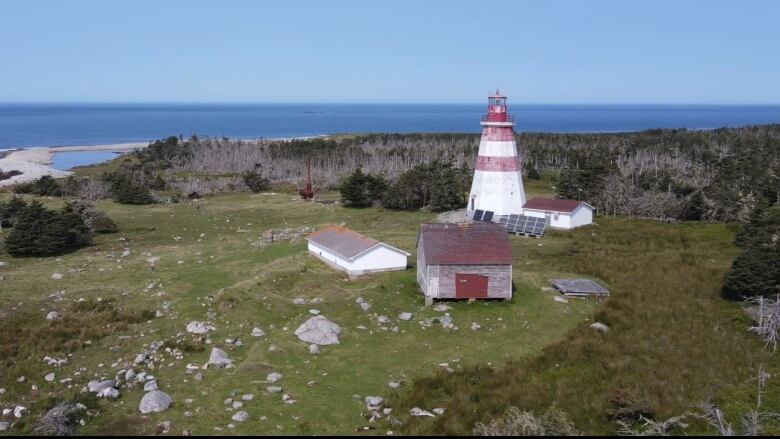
(219, 358)
(19, 411)
(319, 330)
(155, 402)
(406, 316)
(441, 307)
(257, 332)
(140, 358)
(273, 377)
(99, 386)
(374, 403)
(240, 416)
(365, 306)
(420, 412)
(164, 427)
(560, 299)
(108, 393)
(57, 276)
(199, 328)
(248, 397)
(54, 315)
(475, 326)
(150, 385)
(314, 349)
(383, 319)
(394, 385)
(273, 390)
(438, 411)
(299, 301)
(50, 377)
(598, 326)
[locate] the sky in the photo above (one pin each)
(405, 51)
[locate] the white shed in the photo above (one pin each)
(560, 214)
(347, 250)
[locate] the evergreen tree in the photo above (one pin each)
(756, 271)
(126, 191)
(436, 186)
(695, 208)
(362, 190)
(256, 182)
(533, 174)
(568, 184)
(10, 211)
(41, 232)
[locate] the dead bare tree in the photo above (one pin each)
(766, 313)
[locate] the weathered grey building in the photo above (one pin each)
(464, 261)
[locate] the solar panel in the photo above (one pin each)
(488, 217)
(478, 215)
(503, 220)
(526, 225)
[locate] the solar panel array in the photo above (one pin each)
(478, 214)
(527, 225)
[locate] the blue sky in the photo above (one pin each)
(577, 51)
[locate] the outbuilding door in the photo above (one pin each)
(471, 286)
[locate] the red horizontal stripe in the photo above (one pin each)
(497, 164)
(498, 134)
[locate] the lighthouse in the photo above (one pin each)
(498, 184)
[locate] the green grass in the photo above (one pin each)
(672, 343)
(225, 279)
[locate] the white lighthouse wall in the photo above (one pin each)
(500, 192)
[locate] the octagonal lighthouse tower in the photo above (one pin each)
(498, 183)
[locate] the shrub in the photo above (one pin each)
(126, 191)
(42, 232)
(362, 190)
(437, 186)
(10, 211)
(45, 186)
(95, 219)
(519, 423)
(256, 182)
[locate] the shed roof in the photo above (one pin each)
(579, 286)
(472, 244)
(345, 242)
(554, 204)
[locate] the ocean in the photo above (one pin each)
(29, 125)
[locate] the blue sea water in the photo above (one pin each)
(28, 125)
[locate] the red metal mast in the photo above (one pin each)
(307, 193)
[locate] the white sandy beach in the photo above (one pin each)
(34, 163)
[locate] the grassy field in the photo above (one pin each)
(672, 341)
(212, 269)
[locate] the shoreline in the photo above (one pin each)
(36, 162)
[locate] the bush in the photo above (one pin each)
(45, 186)
(42, 232)
(256, 182)
(436, 186)
(95, 219)
(126, 191)
(362, 190)
(519, 423)
(10, 211)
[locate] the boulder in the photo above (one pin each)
(219, 358)
(374, 402)
(98, 386)
(199, 328)
(273, 377)
(319, 330)
(405, 316)
(54, 315)
(240, 416)
(150, 385)
(108, 393)
(155, 402)
(49, 377)
(62, 420)
(19, 411)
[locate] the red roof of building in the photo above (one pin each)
(471, 244)
(342, 241)
(553, 204)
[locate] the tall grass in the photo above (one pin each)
(671, 341)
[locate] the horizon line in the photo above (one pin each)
(739, 104)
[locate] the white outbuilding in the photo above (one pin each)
(560, 214)
(347, 250)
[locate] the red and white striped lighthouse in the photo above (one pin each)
(498, 183)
